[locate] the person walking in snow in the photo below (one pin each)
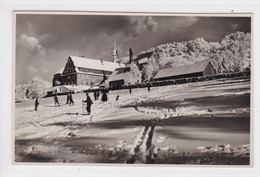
(71, 100)
(56, 100)
(36, 104)
(89, 103)
(68, 98)
(95, 95)
(98, 95)
(104, 95)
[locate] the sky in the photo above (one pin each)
(44, 42)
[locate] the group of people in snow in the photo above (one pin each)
(70, 101)
(88, 100)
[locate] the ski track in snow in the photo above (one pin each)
(43, 123)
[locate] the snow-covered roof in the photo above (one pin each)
(95, 64)
(126, 59)
(143, 57)
(181, 70)
(60, 71)
(120, 73)
(118, 76)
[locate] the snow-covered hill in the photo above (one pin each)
(165, 125)
(232, 53)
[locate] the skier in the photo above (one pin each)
(89, 103)
(117, 97)
(56, 100)
(71, 100)
(36, 104)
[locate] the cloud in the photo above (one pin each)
(46, 41)
(234, 26)
(150, 24)
(128, 26)
(31, 69)
(30, 45)
(180, 23)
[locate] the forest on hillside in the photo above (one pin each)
(231, 54)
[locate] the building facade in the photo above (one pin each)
(128, 75)
(84, 71)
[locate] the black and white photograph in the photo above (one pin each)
(132, 88)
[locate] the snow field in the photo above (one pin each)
(120, 143)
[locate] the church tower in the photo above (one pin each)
(115, 54)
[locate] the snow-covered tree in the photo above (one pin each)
(231, 54)
(35, 87)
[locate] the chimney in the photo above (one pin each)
(130, 55)
(101, 60)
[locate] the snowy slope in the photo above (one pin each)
(123, 129)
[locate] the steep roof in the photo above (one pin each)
(118, 76)
(95, 64)
(60, 71)
(120, 73)
(126, 59)
(144, 55)
(181, 70)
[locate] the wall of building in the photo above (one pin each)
(181, 76)
(94, 71)
(69, 67)
(116, 83)
(127, 76)
(56, 80)
(69, 79)
(209, 70)
(87, 79)
(135, 76)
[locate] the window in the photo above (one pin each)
(127, 70)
